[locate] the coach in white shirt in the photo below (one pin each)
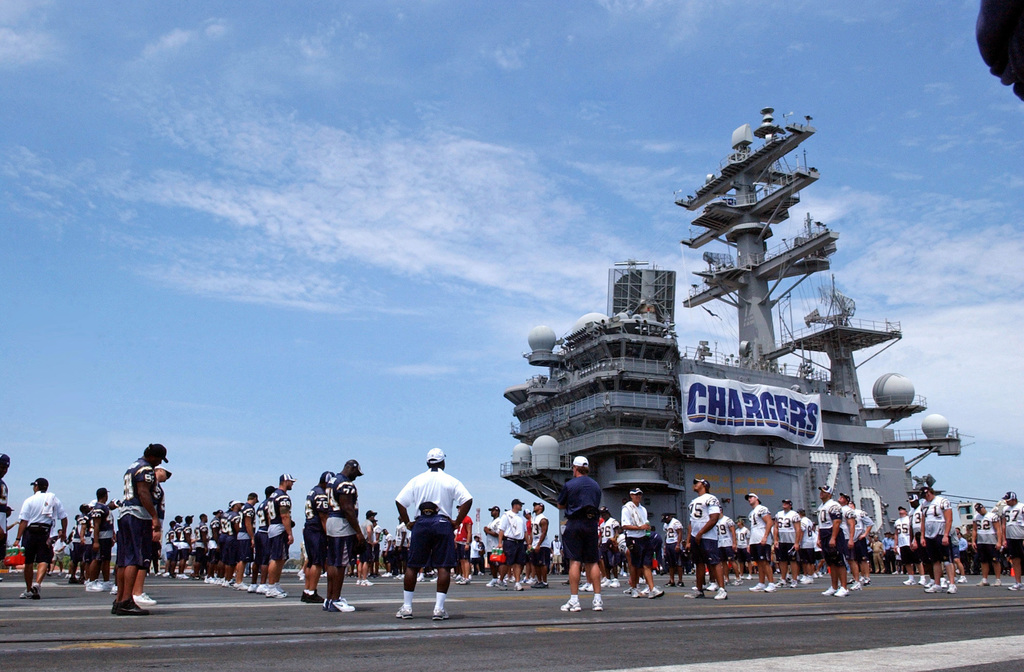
(39, 515)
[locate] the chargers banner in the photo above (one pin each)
(731, 407)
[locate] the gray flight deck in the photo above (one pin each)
(203, 627)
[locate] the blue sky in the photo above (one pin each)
(278, 236)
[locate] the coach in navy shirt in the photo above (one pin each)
(581, 498)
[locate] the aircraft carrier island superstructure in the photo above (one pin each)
(765, 418)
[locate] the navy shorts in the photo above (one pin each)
(229, 551)
(541, 557)
(726, 553)
(784, 554)
(105, 552)
(515, 551)
(806, 556)
(641, 552)
(988, 553)
(580, 543)
(277, 547)
(743, 554)
(761, 552)
(432, 543)
(907, 555)
(337, 550)
(861, 553)
(610, 555)
(244, 550)
(705, 552)
(37, 545)
(316, 547)
(200, 554)
(134, 542)
(835, 557)
(260, 549)
(673, 558)
(77, 553)
(937, 551)
(1015, 548)
(461, 551)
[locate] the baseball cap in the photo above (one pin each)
(326, 476)
(788, 501)
(540, 504)
(5, 459)
(233, 502)
(667, 515)
(370, 514)
(913, 499)
(156, 450)
(827, 489)
(41, 482)
(636, 491)
(751, 494)
(844, 495)
(354, 463)
(516, 501)
(435, 455)
(286, 477)
(1010, 495)
(978, 506)
(702, 480)
(924, 489)
(580, 461)
(494, 508)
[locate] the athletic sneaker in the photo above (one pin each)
(93, 587)
(961, 579)
(492, 583)
(254, 588)
(275, 593)
(614, 583)
(830, 592)
(145, 600)
(404, 612)
(587, 587)
(759, 588)
(655, 593)
(633, 592)
(999, 582)
(909, 582)
(983, 582)
(539, 584)
(951, 590)
(770, 588)
(856, 586)
(27, 595)
(598, 603)
(605, 581)
(721, 594)
(806, 581)
(1015, 586)
(842, 592)
(934, 588)
(262, 589)
(241, 586)
(712, 586)
(572, 605)
(923, 581)
(338, 606)
(519, 586)
(440, 615)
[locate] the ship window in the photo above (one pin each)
(648, 462)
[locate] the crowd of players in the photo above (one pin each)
(244, 547)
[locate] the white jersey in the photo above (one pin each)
(807, 531)
(636, 515)
(512, 525)
(1015, 521)
(831, 513)
(535, 531)
(489, 541)
(434, 485)
(916, 520)
(742, 537)
(673, 531)
(903, 531)
(726, 530)
(985, 527)
(934, 516)
(402, 536)
(758, 528)
(607, 530)
(702, 509)
(863, 522)
(786, 522)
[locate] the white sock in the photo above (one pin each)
(439, 602)
(407, 597)
(308, 592)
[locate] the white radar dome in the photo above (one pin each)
(935, 426)
(542, 338)
(521, 453)
(892, 389)
(545, 452)
(587, 319)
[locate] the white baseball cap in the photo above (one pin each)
(580, 461)
(435, 455)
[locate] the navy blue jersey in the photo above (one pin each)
(158, 501)
(248, 512)
(316, 503)
(261, 516)
(232, 523)
(278, 500)
(337, 488)
(215, 528)
(138, 477)
(101, 512)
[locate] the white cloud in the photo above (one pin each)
(176, 40)
(22, 47)
(511, 58)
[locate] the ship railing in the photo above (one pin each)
(918, 435)
(884, 326)
(605, 400)
(626, 437)
(891, 400)
(630, 364)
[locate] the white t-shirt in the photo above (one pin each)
(513, 525)
(903, 531)
(673, 530)
(808, 536)
(986, 527)
(535, 530)
(634, 514)
(434, 485)
(1015, 522)
(725, 529)
(934, 516)
(701, 510)
(43, 508)
(489, 541)
(758, 529)
(742, 537)
(787, 521)
(863, 522)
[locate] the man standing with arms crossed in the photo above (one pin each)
(345, 538)
(279, 534)
(433, 495)
(137, 527)
(832, 537)
(788, 538)
(541, 545)
(641, 555)
(511, 536)
(580, 498)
